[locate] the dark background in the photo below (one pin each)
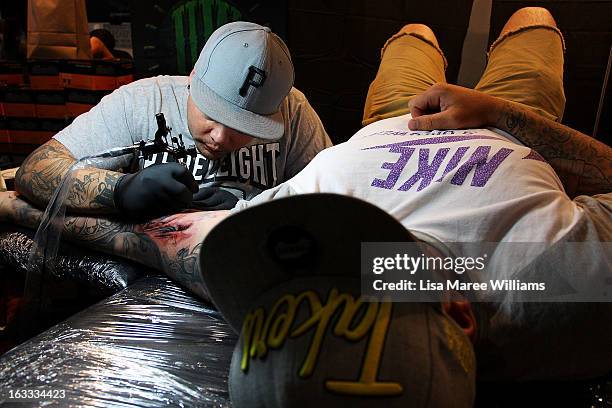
(335, 45)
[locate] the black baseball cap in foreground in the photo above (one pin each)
(286, 276)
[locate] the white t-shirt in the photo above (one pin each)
(477, 185)
(449, 186)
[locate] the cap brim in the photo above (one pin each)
(268, 127)
(261, 247)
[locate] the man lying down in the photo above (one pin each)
(467, 185)
(444, 186)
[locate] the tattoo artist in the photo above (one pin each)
(252, 129)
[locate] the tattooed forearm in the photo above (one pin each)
(41, 173)
(89, 191)
(105, 189)
(184, 268)
(180, 236)
(583, 163)
(169, 244)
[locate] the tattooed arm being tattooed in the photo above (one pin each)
(583, 164)
(168, 244)
(42, 171)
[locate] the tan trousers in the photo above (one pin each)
(524, 66)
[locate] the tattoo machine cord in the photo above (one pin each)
(48, 235)
(47, 240)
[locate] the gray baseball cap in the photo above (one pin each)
(241, 77)
(286, 276)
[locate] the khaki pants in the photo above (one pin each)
(524, 66)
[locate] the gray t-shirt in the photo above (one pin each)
(127, 116)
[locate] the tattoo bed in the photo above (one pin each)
(148, 344)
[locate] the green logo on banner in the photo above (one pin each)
(194, 21)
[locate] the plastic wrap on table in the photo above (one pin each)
(97, 271)
(150, 345)
(154, 345)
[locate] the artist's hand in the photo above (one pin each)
(155, 190)
(213, 198)
(445, 106)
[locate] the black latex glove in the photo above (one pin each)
(155, 190)
(213, 198)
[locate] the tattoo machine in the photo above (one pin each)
(163, 142)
